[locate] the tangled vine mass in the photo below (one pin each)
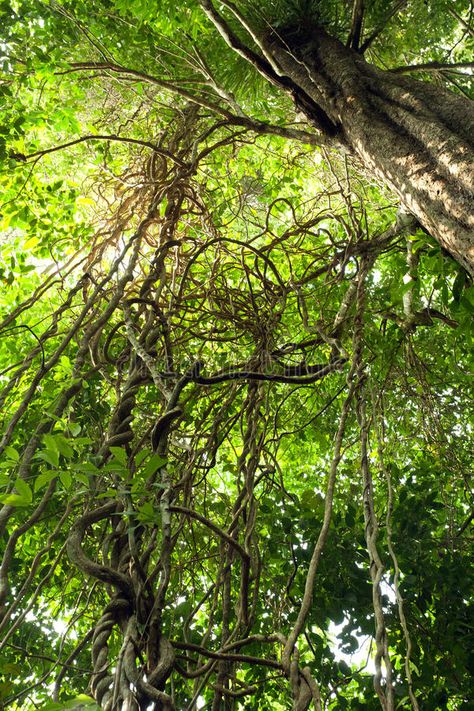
(235, 422)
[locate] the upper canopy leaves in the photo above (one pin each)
(236, 384)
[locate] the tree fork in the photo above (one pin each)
(416, 137)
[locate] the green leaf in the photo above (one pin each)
(66, 479)
(120, 455)
(154, 463)
(24, 490)
(148, 514)
(44, 478)
(63, 446)
(51, 456)
(116, 468)
(74, 428)
(467, 300)
(458, 286)
(50, 442)
(12, 453)
(86, 467)
(141, 455)
(13, 500)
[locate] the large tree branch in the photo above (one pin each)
(262, 128)
(100, 137)
(270, 70)
(255, 37)
(267, 68)
(259, 127)
(432, 67)
(255, 125)
(133, 74)
(355, 33)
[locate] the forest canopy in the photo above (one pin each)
(236, 355)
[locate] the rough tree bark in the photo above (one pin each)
(417, 137)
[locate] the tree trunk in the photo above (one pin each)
(417, 137)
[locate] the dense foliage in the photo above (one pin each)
(236, 379)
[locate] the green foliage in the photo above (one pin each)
(200, 321)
